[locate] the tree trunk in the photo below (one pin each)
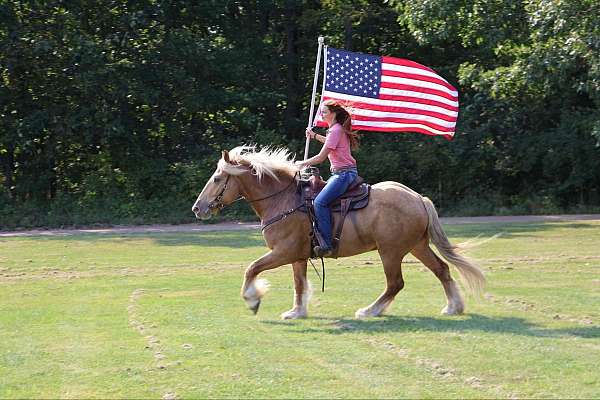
(8, 167)
(348, 33)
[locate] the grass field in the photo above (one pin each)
(160, 316)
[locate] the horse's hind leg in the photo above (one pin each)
(423, 252)
(302, 293)
(392, 266)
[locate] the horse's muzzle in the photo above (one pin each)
(203, 213)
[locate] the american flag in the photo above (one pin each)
(389, 94)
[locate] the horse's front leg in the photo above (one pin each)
(303, 291)
(254, 289)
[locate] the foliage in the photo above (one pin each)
(116, 111)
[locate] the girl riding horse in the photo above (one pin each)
(336, 146)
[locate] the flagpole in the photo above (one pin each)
(314, 92)
(323, 84)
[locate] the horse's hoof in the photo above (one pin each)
(362, 313)
(255, 308)
(448, 310)
(292, 315)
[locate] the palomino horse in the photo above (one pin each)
(396, 221)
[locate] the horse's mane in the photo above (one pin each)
(266, 161)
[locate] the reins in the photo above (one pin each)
(217, 203)
(274, 194)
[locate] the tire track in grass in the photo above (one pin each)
(145, 328)
(438, 371)
(515, 303)
(354, 375)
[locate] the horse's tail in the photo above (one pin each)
(471, 274)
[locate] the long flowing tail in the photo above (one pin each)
(471, 275)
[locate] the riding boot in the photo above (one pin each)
(322, 251)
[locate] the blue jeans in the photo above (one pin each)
(335, 187)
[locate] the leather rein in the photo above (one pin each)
(217, 202)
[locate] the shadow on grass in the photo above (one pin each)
(236, 239)
(232, 239)
(249, 238)
(467, 323)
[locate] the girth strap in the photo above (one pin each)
(344, 207)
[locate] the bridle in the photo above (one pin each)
(218, 204)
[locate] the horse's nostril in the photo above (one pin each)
(195, 209)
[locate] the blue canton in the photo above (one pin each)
(353, 73)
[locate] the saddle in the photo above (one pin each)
(354, 198)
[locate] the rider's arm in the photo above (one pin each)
(313, 135)
(318, 137)
(319, 158)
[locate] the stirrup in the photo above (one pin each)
(320, 252)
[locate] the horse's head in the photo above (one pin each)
(220, 190)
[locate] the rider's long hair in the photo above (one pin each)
(343, 118)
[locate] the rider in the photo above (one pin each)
(336, 147)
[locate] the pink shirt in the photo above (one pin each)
(339, 145)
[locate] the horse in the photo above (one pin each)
(397, 221)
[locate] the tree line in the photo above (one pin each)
(117, 111)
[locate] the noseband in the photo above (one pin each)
(217, 202)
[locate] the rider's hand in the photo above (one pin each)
(310, 133)
(301, 164)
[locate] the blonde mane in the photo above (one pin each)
(268, 161)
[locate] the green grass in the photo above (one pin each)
(153, 315)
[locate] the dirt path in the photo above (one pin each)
(232, 226)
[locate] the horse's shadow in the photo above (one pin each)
(466, 323)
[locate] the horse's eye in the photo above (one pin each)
(216, 179)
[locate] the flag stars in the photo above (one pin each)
(352, 73)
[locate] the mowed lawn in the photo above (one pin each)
(160, 316)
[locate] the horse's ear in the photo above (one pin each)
(225, 155)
